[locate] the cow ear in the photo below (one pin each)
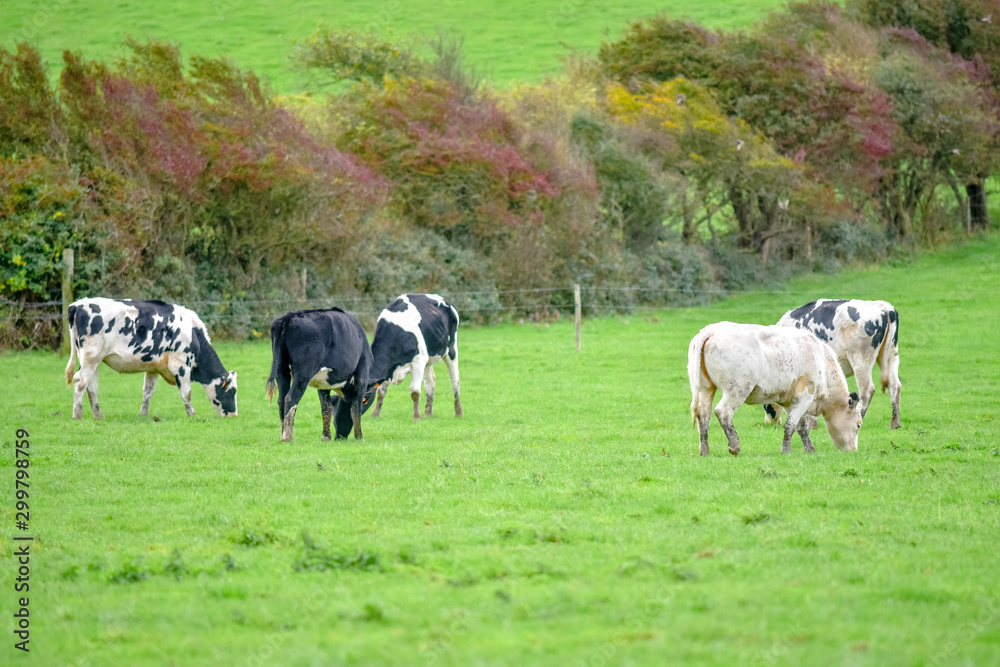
(376, 385)
(852, 400)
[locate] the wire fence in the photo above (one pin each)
(252, 317)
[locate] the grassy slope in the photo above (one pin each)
(567, 519)
(509, 42)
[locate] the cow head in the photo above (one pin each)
(844, 422)
(222, 393)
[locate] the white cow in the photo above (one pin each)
(151, 337)
(770, 364)
(861, 333)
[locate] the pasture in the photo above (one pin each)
(507, 42)
(566, 519)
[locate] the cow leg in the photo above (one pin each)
(428, 390)
(357, 407)
(379, 397)
(79, 389)
(88, 382)
(889, 371)
(184, 387)
(326, 407)
(786, 442)
(701, 410)
(804, 434)
(148, 387)
(862, 371)
(894, 396)
(797, 420)
(418, 374)
(283, 381)
(452, 366)
(295, 393)
(727, 406)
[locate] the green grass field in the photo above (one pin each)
(507, 42)
(567, 519)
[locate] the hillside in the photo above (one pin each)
(508, 42)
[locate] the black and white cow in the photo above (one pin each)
(412, 334)
(326, 349)
(151, 337)
(757, 364)
(862, 334)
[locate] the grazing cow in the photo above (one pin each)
(861, 333)
(326, 349)
(770, 364)
(151, 337)
(412, 334)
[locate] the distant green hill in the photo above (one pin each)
(518, 40)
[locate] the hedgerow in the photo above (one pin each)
(678, 160)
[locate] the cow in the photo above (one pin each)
(326, 349)
(151, 337)
(770, 364)
(861, 333)
(412, 334)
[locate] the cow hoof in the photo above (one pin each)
(326, 437)
(734, 452)
(416, 416)
(894, 425)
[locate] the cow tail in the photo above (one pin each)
(697, 371)
(889, 348)
(278, 353)
(71, 366)
(452, 332)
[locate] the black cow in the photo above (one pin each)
(151, 337)
(412, 334)
(325, 349)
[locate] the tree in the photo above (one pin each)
(969, 29)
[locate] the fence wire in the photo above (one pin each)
(254, 312)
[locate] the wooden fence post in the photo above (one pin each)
(576, 303)
(67, 296)
(809, 245)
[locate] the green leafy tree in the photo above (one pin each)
(970, 29)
